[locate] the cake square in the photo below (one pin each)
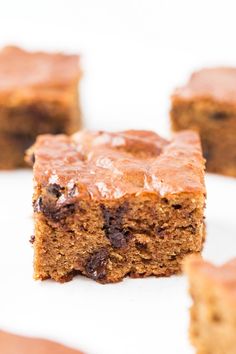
(213, 313)
(38, 94)
(109, 205)
(207, 104)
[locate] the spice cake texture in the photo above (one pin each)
(207, 104)
(110, 205)
(213, 313)
(38, 94)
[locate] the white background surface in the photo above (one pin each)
(134, 53)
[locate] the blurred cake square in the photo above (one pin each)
(38, 94)
(213, 313)
(207, 104)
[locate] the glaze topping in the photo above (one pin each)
(224, 275)
(210, 83)
(20, 69)
(103, 165)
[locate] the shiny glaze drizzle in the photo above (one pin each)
(104, 165)
(211, 83)
(22, 70)
(223, 276)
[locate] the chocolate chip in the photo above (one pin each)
(219, 115)
(141, 246)
(173, 257)
(165, 200)
(68, 277)
(118, 239)
(55, 189)
(58, 213)
(96, 265)
(32, 159)
(113, 225)
(177, 206)
(49, 204)
(191, 228)
(32, 239)
(52, 210)
(160, 232)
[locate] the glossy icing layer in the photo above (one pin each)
(223, 276)
(20, 69)
(104, 165)
(211, 83)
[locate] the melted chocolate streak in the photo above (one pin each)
(14, 344)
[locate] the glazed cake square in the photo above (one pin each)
(213, 313)
(38, 94)
(110, 205)
(207, 104)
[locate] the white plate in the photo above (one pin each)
(136, 316)
(134, 53)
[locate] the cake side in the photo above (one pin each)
(97, 212)
(213, 313)
(106, 241)
(207, 105)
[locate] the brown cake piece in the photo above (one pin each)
(207, 104)
(109, 205)
(38, 94)
(14, 344)
(213, 314)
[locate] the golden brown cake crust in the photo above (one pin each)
(12, 344)
(210, 83)
(112, 165)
